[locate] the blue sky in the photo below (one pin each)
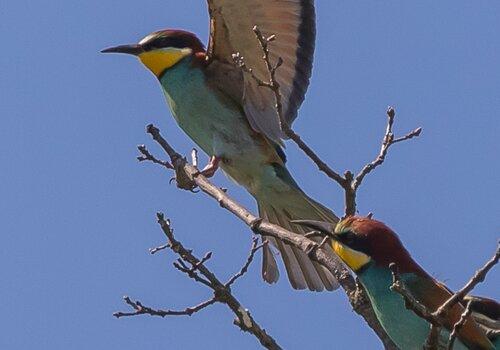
(77, 212)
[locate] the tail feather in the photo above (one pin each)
(270, 271)
(280, 208)
(293, 269)
(307, 271)
(327, 278)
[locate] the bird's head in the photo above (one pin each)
(360, 241)
(161, 50)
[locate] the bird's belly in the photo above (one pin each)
(218, 127)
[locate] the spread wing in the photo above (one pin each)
(293, 23)
(433, 294)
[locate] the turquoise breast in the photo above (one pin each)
(214, 122)
(405, 328)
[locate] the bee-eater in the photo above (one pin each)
(233, 119)
(368, 247)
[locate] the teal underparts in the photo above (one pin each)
(405, 328)
(217, 124)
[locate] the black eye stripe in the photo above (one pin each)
(165, 41)
(352, 240)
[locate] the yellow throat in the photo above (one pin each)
(159, 60)
(354, 259)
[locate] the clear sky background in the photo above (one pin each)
(77, 212)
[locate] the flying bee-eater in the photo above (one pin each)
(234, 121)
(368, 247)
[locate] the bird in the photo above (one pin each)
(368, 247)
(233, 119)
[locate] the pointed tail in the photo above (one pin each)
(280, 201)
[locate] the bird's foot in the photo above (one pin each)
(211, 168)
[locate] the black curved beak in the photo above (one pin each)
(133, 49)
(326, 228)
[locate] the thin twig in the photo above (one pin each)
(348, 182)
(478, 277)
(140, 309)
(387, 142)
(421, 310)
(254, 249)
(155, 250)
(438, 318)
(457, 326)
(203, 260)
(146, 156)
(222, 292)
(410, 301)
(274, 86)
(181, 266)
(194, 178)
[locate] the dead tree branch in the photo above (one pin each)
(349, 183)
(387, 142)
(437, 318)
(146, 156)
(140, 309)
(411, 302)
(189, 177)
(255, 247)
(222, 291)
(457, 326)
(478, 277)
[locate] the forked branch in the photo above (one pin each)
(349, 183)
(437, 318)
(196, 269)
(189, 177)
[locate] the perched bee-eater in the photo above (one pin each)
(368, 247)
(233, 119)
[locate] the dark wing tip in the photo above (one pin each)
(305, 55)
(485, 306)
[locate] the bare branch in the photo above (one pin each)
(140, 309)
(181, 266)
(285, 127)
(254, 249)
(387, 142)
(240, 62)
(189, 177)
(438, 318)
(322, 166)
(222, 292)
(348, 182)
(421, 310)
(155, 250)
(457, 326)
(146, 156)
(478, 277)
(181, 179)
(193, 178)
(410, 301)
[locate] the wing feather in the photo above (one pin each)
(293, 23)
